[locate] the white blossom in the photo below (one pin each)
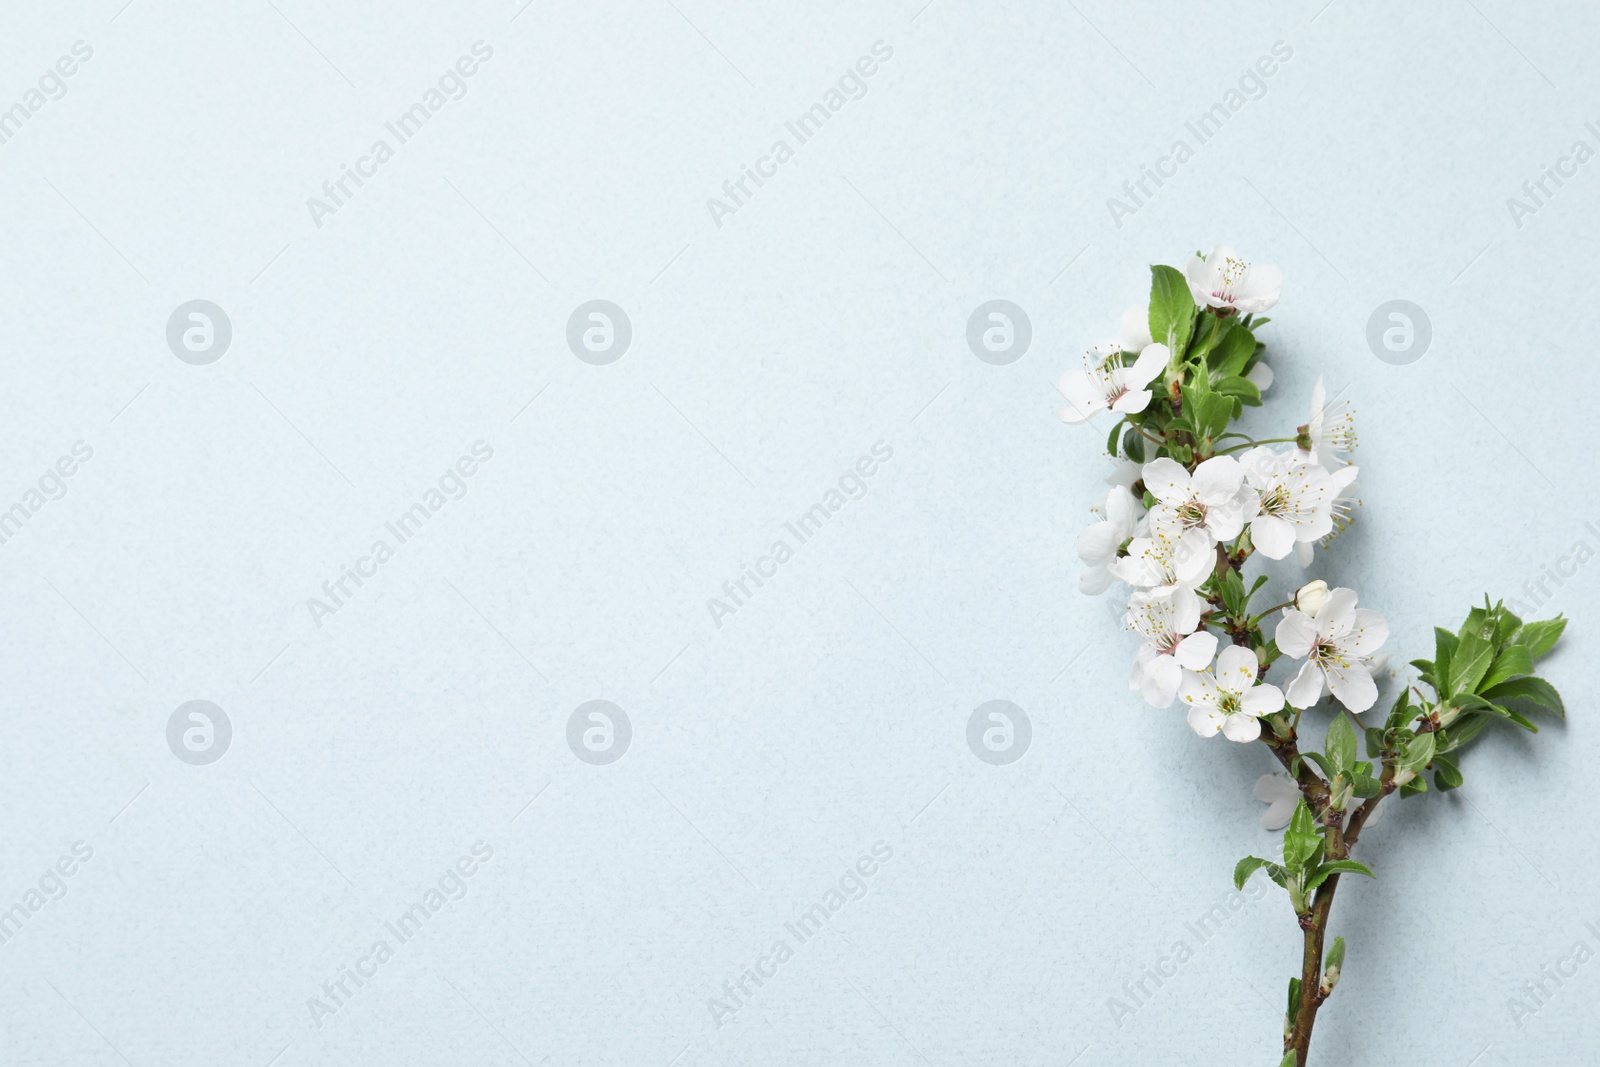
(1168, 625)
(1294, 499)
(1210, 499)
(1100, 542)
(1105, 382)
(1165, 560)
(1229, 699)
(1330, 430)
(1311, 596)
(1223, 280)
(1336, 642)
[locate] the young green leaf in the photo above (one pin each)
(1243, 388)
(1301, 841)
(1133, 445)
(1171, 309)
(1444, 644)
(1469, 662)
(1513, 660)
(1534, 691)
(1250, 865)
(1445, 774)
(1419, 751)
(1541, 636)
(1333, 867)
(1230, 356)
(1340, 744)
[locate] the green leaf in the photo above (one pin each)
(1290, 1059)
(1301, 841)
(1294, 999)
(1426, 671)
(1469, 662)
(1340, 743)
(1534, 691)
(1512, 661)
(1234, 598)
(1171, 309)
(1243, 388)
(1445, 774)
(1506, 626)
(1413, 787)
(1541, 636)
(1466, 729)
(1250, 865)
(1444, 645)
(1418, 753)
(1133, 445)
(1335, 956)
(1374, 742)
(1231, 356)
(1333, 867)
(1325, 765)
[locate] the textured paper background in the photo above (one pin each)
(828, 313)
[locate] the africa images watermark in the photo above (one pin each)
(852, 85)
(52, 886)
(1136, 994)
(452, 85)
(737, 592)
(1536, 193)
(851, 886)
(452, 485)
(451, 887)
(1533, 996)
(52, 485)
(1252, 85)
(1537, 591)
(52, 85)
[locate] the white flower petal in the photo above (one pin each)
(1136, 329)
(1206, 721)
(1198, 688)
(1305, 688)
(1132, 402)
(1217, 480)
(1192, 557)
(1352, 686)
(1094, 581)
(1273, 536)
(1241, 728)
(1196, 650)
(1265, 699)
(1368, 631)
(1296, 633)
(1161, 681)
(1151, 362)
(1236, 669)
(1167, 481)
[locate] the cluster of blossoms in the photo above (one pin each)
(1191, 500)
(1171, 530)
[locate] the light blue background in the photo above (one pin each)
(769, 353)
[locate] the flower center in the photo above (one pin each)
(1228, 703)
(1192, 514)
(1275, 501)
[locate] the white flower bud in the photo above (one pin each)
(1312, 596)
(1330, 978)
